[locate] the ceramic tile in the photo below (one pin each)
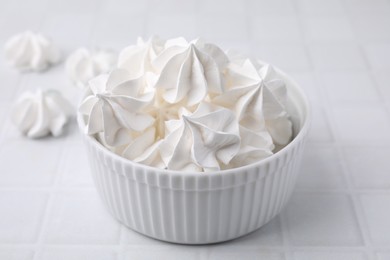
(76, 254)
(32, 20)
(276, 28)
(124, 34)
(359, 123)
(329, 255)
(74, 166)
(55, 79)
(79, 26)
(320, 219)
(225, 253)
(319, 7)
(114, 6)
(268, 235)
(32, 6)
(309, 84)
(173, 6)
(288, 57)
(350, 87)
(336, 57)
(9, 79)
(21, 216)
(337, 50)
(16, 254)
(133, 238)
(375, 207)
(368, 6)
(165, 252)
(226, 28)
(260, 7)
(73, 6)
(80, 218)
(383, 256)
(223, 6)
(328, 28)
(166, 26)
(379, 56)
(369, 166)
(321, 169)
(29, 170)
(371, 28)
(320, 130)
(382, 79)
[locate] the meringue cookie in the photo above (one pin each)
(189, 74)
(202, 141)
(258, 98)
(41, 113)
(138, 59)
(83, 65)
(30, 51)
(188, 106)
(114, 107)
(145, 149)
(255, 146)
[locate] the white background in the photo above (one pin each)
(338, 50)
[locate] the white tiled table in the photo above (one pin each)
(338, 50)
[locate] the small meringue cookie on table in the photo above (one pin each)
(30, 51)
(84, 64)
(41, 113)
(203, 141)
(115, 107)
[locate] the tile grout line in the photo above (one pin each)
(362, 226)
(92, 37)
(355, 194)
(122, 245)
(146, 20)
(43, 223)
(280, 249)
(248, 21)
(350, 191)
(286, 249)
(43, 228)
(289, 253)
(53, 189)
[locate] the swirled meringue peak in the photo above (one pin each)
(84, 64)
(115, 106)
(30, 51)
(137, 59)
(190, 72)
(258, 97)
(41, 113)
(201, 141)
(188, 106)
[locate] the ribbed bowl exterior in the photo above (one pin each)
(209, 208)
(199, 208)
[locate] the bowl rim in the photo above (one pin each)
(176, 173)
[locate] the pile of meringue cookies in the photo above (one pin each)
(44, 112)
(170, 104)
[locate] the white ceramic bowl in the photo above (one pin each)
(200, 208)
